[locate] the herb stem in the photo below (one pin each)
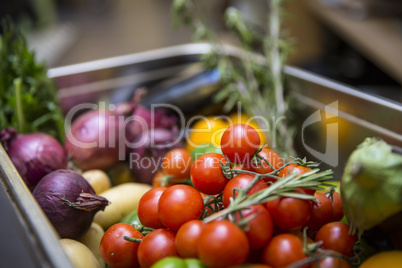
(20, 113)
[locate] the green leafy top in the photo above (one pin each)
(28, 98)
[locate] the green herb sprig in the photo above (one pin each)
(28, 98)
(257, 85)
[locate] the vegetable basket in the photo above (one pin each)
(333, 119)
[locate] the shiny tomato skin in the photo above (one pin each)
(148, 208)
(239, 142)
(337, 207)
(115, 250)
(187, 238)
(155, 246)
(298, 170)
(240, 182)
(222, 244)
(291, 169)
(330, 262)
(283, 250)
(157, 180)
(271, 157)
(335, 236)
(206, 173)
(321, 212)
(260, 228)
(178, 204)
(289, 213)
(177, 162)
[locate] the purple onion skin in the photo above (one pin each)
(69, 202)
(146, 160)
(95, 126)
(35, 155)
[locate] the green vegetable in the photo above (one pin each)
(371, 186)
(170, 262)
(194, 263)
(203, 149)
(28, 98)
(176, 262)
(132, 218)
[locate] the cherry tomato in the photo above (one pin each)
(177, 162)
(206, 173)
(260, 228)
(289, 213)
(155, 246)
(291, 169)
(115, 250)
(283, 250)
(335, 236)
(330, 262)
(148, 208)
(239, 142)
(298, 170)
(178, 204)
(187, 238)
(336, 202)
(321, 212)
(271, 157)
(222, 244)
(240, 182)
(161, 180)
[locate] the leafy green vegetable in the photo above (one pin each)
(28, 98)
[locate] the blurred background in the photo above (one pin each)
(358, 42)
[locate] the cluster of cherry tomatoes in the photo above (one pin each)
(197, 219)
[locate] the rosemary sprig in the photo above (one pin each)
(313, 179)
(257, 85)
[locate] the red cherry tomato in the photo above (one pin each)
(222, 244)
(115, 250)
(321, 212)
(335, 236)
(240, 182)
(155, 246)
(292, 169)
(289, 213)
(157, 180)
(187, 238)
(330, 262)
(298, 170)
(260, 228)
(337, 207)
(148, 208)
(239, 142)
(177, 162)
(271, 157)
(283, 250)
(206, 173)
(178, 204)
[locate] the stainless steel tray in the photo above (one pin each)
(334, 118)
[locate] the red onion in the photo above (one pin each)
(96, 138)
(69, 202)
(146, 158)
(34, 155)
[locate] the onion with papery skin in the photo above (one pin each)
(34, 155)
(96, 139)
(69, 201)
(146, 158)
